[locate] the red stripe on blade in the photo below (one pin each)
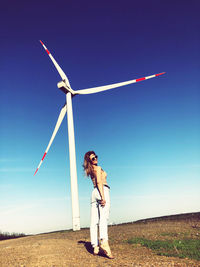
(35, 172)
(47, 51)
(44, 155)
(160, 74)
(140, 79)
(41, 42)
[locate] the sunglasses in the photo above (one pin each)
(93, 159)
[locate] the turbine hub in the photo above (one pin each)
(63, 87)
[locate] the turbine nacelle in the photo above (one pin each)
(63, 87)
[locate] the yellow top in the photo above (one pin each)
(100, 175)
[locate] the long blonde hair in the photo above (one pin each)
(87, 165)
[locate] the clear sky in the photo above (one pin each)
(146, 134)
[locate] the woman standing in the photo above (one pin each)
(100, 204)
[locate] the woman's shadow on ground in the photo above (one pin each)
(89, 248)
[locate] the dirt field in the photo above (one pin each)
(70, 248)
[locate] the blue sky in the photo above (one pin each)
(146, 134)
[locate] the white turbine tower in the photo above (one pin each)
(64, 85)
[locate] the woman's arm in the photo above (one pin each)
(100, 185)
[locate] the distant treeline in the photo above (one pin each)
(6, 235)
(188, 217)
(177, 217)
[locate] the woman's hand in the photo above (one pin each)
(103, 202)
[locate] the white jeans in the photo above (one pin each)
(99, 216)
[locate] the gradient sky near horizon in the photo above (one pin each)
(146, 134)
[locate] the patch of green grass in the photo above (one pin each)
(170, 234)
(182, 235)
(186, 248)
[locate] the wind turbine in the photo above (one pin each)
(64, 85)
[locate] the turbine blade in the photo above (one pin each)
(115, 85)
(60, 71)
(58, 123)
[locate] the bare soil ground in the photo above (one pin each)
(68, 248)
